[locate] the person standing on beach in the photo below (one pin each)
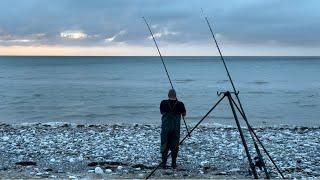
(171, 110)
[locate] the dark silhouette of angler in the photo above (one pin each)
(164, 65)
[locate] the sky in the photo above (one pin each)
(115, 27)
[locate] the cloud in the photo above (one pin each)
(285, 23)
(162, 33)
(8, 39)
(17, 40)
(73, 34)
(154, 26)
(112, 38)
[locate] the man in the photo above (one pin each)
(171, 111)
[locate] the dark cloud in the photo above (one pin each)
(283, 22)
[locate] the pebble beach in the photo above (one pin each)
(63, 150)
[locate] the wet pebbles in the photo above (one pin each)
(131, 151)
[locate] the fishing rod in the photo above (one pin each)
(165, 67)
(240, 108)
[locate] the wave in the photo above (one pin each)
(90, 115)
(308, 105)
(292, 92)
(37, 95)
(259, 82)
(130, 125)
(258, 92)
(183, 80)
(209, 117)
(130, 107)
(222, 81)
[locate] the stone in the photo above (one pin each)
(98, 170)
(222, 173)
(307, 171)
(5, 138)
(72, 160)
(108, 171)
(39, 174)
(26, 163)
(204, 163)
(91, 171)
(234, 170)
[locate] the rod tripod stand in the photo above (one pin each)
(259, 162)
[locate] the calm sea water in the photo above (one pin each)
(273, 90)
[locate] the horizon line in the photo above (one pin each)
(157, 56)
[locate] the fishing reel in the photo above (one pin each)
(258, 162)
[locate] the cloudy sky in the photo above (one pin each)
(115, 27)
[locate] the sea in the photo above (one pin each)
(110, 90)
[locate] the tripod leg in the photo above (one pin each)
(262, 161)
(253, 139)
(255, 135)
(242, 137)
(203, 118)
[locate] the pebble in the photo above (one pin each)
(234, 170)
(222, 173)
(5, 138)
(39, 174)
(80, 158)
(123, 147)
(72, 160)
(98, 170)
(308, 170)
(204, 163)
(108, 171)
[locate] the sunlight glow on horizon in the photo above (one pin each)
(169, 50)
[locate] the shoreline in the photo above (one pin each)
(55, 124)
(64, 150)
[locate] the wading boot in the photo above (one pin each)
(174, 163)
(164, 161)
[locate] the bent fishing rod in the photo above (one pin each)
(165, 67)
(240, 107)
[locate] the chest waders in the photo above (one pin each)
(170, 134)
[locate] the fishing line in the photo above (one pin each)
(165, 67)
(156, 44)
